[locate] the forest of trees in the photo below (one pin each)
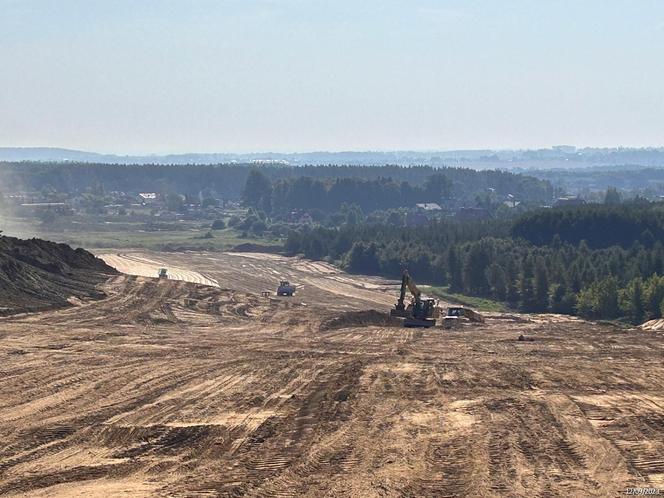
(628, 177)
(229, 180)
(599, 225)
(622, 280)
(306, 193)
(455, 186)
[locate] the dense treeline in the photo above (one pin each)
(229, 180)
(481, 259)
(306, 193)
(384, 249)
(454, 186)
(626, 177)
(599, 225)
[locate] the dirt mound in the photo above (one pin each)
(152, 301)
(653, 325)
(359, 319)
(36, 274)
(224, 303)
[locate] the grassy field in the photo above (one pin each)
(220, 240)
(478, 303)
(190, 235)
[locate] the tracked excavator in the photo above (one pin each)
(421, 312)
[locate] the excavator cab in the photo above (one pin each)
(424, 313)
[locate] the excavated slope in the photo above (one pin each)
(176, 389)
(37, 274)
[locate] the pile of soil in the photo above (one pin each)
(653, 325)
(36, 274)
(359, 319)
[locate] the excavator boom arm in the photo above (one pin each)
(413, 288)
(407, 283)
(420, 312)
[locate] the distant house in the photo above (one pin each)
(569, 201)
(147, 197)
(511, 201)
(428, 206)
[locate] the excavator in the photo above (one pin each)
(421, 312)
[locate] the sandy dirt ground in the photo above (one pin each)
(174, 388)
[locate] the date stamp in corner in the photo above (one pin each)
(644, 491)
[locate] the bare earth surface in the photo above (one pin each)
(173, 388)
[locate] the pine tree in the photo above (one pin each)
(600, 300)
(474, 270)
(653, 296)
(562, 300)
(512, 276)
(607, 299)
(454, 270)
(541, 288)
(436, 187)
(257, 191)
(636, 305)
(612, 196)
(526, 289)
(497, 281)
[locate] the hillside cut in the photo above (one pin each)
(36, 274)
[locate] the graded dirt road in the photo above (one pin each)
(172, 388)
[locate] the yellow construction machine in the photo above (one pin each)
(457, 315)
(421, 312)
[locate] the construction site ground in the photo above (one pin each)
(206, 388)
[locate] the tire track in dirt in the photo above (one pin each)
(134, 264)
(171, 388)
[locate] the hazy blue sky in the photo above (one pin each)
(288, 75)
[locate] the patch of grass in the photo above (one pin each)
(127, 235)
(478, 303)
(221, 240)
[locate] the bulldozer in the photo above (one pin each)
(163, 273)
(421, 312)
(457, 315)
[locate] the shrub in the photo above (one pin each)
(218, 225)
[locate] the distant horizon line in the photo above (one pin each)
(330, 151)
